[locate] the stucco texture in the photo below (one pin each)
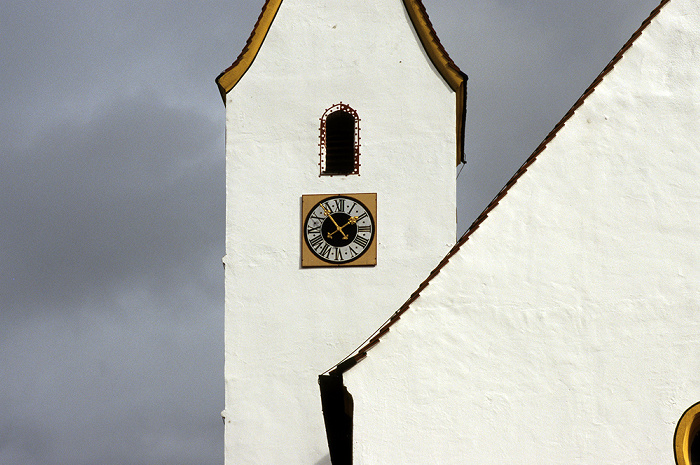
(566, 328)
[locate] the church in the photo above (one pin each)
(561, 328)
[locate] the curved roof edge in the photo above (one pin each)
(228, 79)
(361, 352)
(449, 71)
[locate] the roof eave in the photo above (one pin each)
(361, 352)
(228, 79)
(449, 71)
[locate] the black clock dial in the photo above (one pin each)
(339, 229)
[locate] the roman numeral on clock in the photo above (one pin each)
(326, 250)
(361, 241)
(316, 241)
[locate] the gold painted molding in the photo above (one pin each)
(442, 61)
(686, 430)
(449, 71)
(454, 77)
(228, 79)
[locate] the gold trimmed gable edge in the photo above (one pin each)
(449, 71)
(228, 79)
(454, 77)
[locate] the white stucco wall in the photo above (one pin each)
(566, 328)
(285, 325)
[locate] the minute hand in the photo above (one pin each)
(338, 228)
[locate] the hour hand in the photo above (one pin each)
(351, 220)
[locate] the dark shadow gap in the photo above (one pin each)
(337, 405)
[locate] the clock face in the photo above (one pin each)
(339, 229)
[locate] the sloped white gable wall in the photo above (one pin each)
(286, 325)
(567, 328)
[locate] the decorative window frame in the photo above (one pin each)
(686, 431)
(322, 142)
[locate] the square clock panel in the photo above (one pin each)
(339, 230)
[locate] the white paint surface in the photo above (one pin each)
(286, 325)
(566, 329)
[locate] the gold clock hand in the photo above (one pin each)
(352, 220)
(338, 228)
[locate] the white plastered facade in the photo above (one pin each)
(286, 324)
(566, 328)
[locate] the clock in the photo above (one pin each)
(339, 230)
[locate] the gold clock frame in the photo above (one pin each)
(309, 259)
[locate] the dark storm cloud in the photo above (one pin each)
(97, 388)
(112, 200)
(111, 233)
(111, 296)
(128, 198)
(111, 290)
(65, 61)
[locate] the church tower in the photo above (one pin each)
(344, 124)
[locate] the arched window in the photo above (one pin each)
(340, 141)
(687, 437)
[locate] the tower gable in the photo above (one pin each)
(423, 29)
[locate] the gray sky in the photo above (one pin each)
(112, 200)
